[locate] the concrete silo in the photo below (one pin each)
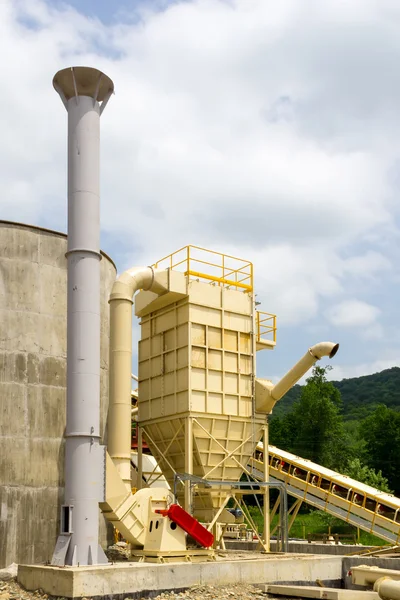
(33, 339)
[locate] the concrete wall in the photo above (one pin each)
(33, 314)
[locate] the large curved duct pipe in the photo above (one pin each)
(119, 416)
(267, 394)
(384, 581)
(387, 588)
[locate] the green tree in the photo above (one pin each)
(282, 431)
(355, 441)
(313, 429)
(381, 432)
(356, 470)
(320, 435)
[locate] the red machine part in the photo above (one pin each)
(179, 516)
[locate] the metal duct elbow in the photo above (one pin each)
(324, 349)
(139, 278)
(267, 394)
(119, 415)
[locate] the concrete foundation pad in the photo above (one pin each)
(297, 591)
(140, 579)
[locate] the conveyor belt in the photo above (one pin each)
(354, 502)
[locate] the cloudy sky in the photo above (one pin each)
(268, 130)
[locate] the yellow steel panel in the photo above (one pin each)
(156, 344)
(205, 295)
(156, 384)
(205, 315)
(246, 407)
(144, 370)
(214, 404)
(245, 343)
(237, 302)
(155, 366)
(156, 407)
(198, 379)
(144, 300)
(144, 391)
(231, 362)
(237, 322)
(245, 385)
(182, 380)
(182, 399)
(214, 337)
(215, 381)
(231, 405)
(169, 400)
(198, 401)
(183, 315)
(231, 383)
(183, 357)
(169, 340)
(182, 334)
(199, 358)
(144, 349)
(198, 333)
(145, 328)
(215, 360)
(245, 365)
(169, 362)
(163, 322)
(230, 340)
(169, 383)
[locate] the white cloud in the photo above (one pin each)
(353, 313)
(265, 129)
(366, 368)
(369, 265)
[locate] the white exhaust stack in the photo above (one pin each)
(85, 93)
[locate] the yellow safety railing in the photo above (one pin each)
(265, 326)
(215, 267)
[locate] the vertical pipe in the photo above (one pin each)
(120, 367)
(83, 336)
(119, 414)
(81, 89)
(188, 462)
(266, 534)
(140, 458)
(284, 508)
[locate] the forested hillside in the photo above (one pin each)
(360, 395)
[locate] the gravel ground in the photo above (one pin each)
(10, 590)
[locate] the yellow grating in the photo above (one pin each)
(265, 327)
(200, 263)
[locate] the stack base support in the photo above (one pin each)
(120, 580)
